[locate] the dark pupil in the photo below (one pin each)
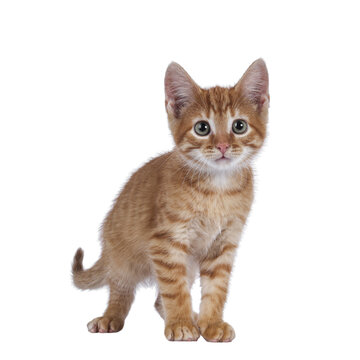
(239, 125)
(203, 127)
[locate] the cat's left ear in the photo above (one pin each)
(180, 89)
(254, 85)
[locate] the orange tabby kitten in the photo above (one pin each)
(182, 213)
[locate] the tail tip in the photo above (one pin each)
(78, 260)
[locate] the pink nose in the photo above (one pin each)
(222, 147)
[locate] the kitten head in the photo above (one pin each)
(217, 129)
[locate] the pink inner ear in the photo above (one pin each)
(265, 100)
(178, 89)
(175, 103)
(175, 96)
(254, 84)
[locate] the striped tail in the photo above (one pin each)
(92, 278)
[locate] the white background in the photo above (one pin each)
(82, 106)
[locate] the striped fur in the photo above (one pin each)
(182, 214)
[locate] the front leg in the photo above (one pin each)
(215, 272)
(169, 252)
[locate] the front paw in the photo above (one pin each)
(181, 330)
(219, 331)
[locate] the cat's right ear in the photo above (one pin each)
(180, 89)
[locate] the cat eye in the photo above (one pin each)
(202, 128)
(239, 126)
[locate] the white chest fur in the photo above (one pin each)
(202, 233)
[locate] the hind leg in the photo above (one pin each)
(114, 316)
(159, 306)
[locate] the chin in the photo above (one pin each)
(224, 162)
(223, 165)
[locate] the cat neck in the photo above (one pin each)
(208, 180)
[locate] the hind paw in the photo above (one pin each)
(105, 324)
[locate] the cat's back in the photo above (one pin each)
(133, 206)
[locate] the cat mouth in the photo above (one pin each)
(223, 159)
